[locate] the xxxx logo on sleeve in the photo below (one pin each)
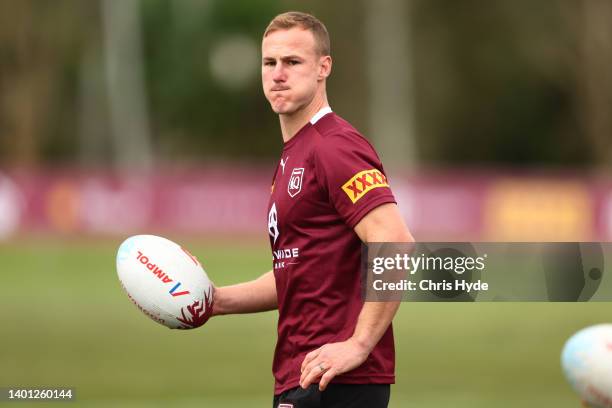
(362, 182)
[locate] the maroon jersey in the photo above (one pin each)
(328, 179)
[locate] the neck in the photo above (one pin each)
(291, 123)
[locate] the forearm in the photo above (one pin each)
(373, 321)
(258, 295)
(383, 224)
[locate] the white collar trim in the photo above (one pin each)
(324, 111)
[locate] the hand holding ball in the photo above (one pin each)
(165, 282)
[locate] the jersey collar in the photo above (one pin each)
(324, 111)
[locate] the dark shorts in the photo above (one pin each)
(335, 396)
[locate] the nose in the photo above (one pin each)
(279, 74)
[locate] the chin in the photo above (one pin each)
(283, 109)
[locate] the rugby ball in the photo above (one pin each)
(587, 363)
(165, 281)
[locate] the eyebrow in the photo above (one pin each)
(284, 58)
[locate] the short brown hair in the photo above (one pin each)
(291, 19)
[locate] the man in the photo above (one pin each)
(329, 194)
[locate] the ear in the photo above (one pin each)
(325, 66)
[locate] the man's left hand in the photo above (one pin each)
(331, 360)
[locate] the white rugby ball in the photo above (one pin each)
(165, 281)
(587, 363)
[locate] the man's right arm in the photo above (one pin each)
(258, 295)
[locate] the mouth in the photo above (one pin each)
(279, 89)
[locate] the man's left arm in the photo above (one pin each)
(382, 224)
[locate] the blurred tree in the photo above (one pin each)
(503, 82)
(26, 74)
(391, 90)
(593, 24)
(36, 38)
(127, 95)
(495, 84)
(194, 115)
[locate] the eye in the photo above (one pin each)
(293, 62)
(269, 63)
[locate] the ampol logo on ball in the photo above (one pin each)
(165, 281)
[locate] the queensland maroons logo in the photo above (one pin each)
(295, 182)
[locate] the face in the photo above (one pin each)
(291, 71)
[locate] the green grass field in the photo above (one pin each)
(66, 322)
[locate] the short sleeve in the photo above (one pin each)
(349, 170)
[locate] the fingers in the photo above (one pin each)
(314, 365)
(311, 369)
(312, 372)
(319, 372)
(309, 357)
(326, 378)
